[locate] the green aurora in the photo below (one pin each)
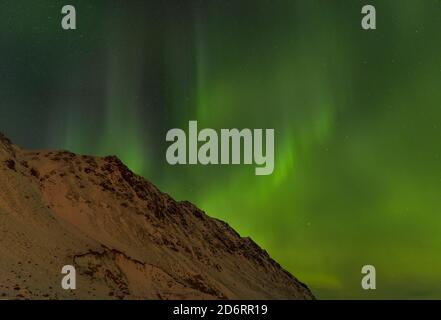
(357, 116)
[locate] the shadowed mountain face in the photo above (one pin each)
(126, 239)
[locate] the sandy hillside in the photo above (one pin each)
(126, 239)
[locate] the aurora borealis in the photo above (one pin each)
(357, 116)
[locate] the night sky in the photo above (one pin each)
(357, 119)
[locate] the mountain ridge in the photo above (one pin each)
(126, 238)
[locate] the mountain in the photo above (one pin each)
(125, 238)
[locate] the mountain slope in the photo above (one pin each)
(126, 239)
